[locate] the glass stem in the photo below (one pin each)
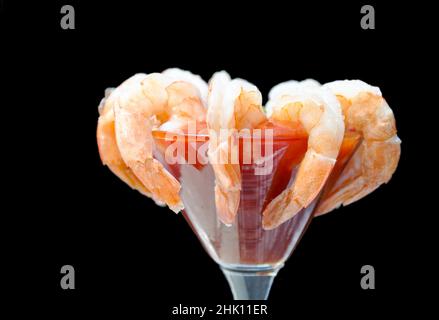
(250, 284)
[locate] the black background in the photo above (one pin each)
(132, 256)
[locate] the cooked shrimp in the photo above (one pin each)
(232, 105)
(143, 103)
(107, 146)
(376, 158)
(318, 110)
(182, 75)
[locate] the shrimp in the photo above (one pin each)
(182, 75)
(376, 158)
(141, 104)
(284, 88)
(106, 138)
(232, 105)
(318, 110)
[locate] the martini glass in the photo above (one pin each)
(249, 256)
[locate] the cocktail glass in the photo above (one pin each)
(249, 256)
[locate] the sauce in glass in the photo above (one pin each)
(246, 242)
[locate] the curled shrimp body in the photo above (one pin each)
(319, 112)
(196, 81)
(376, 158)
(284, 88)
(141, 104)
(232, 105)
(106, 138)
